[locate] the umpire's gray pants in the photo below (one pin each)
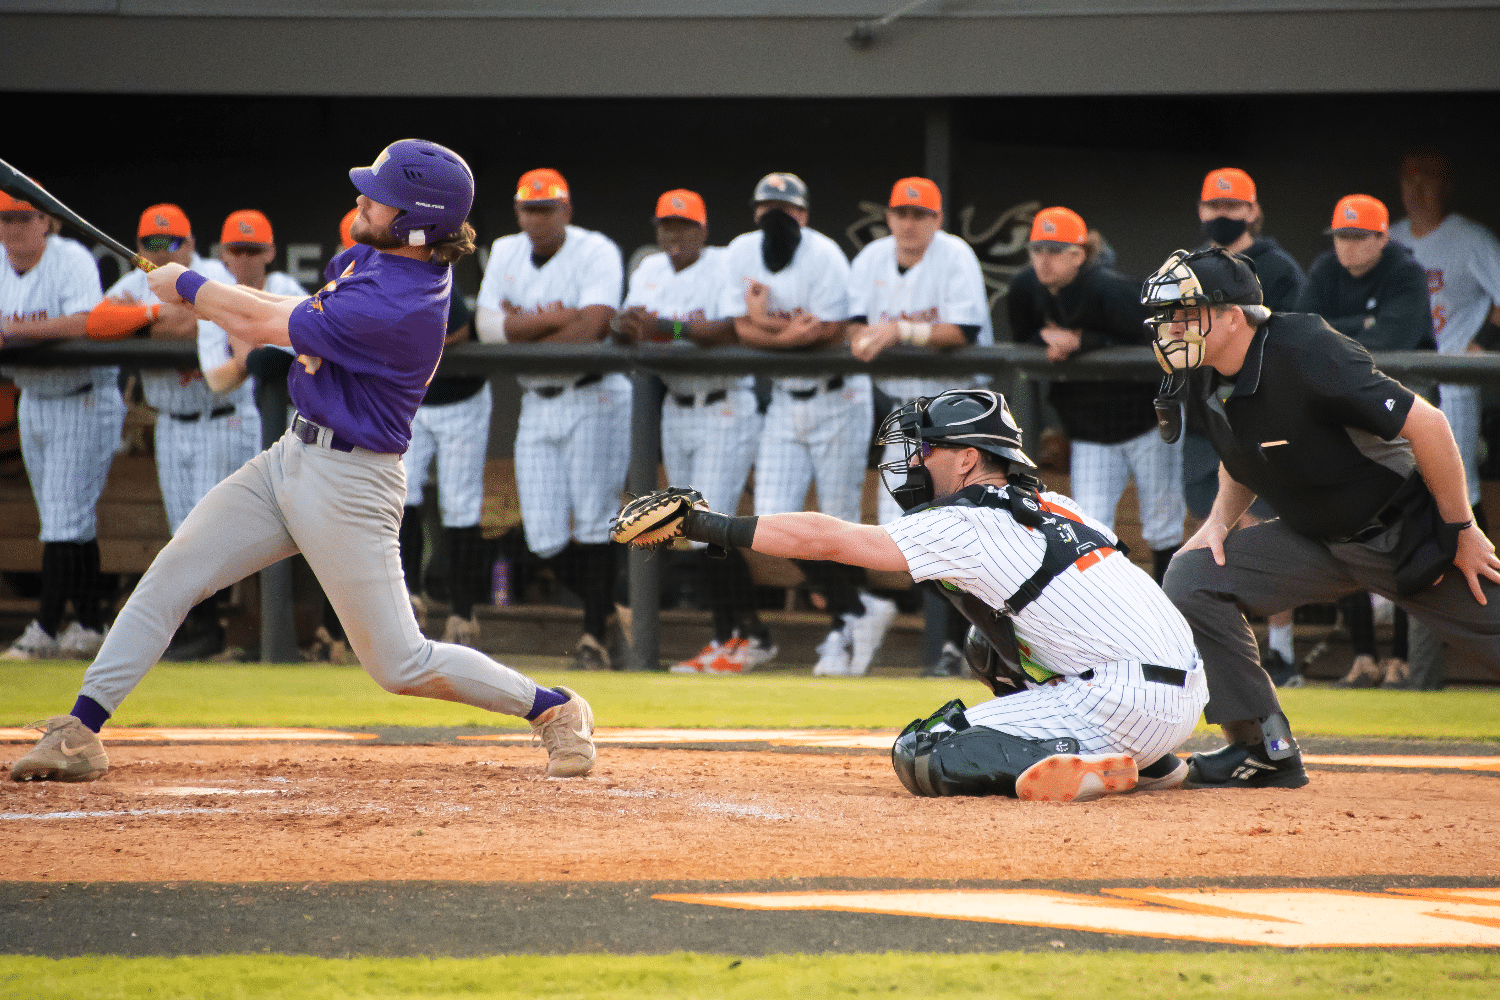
(340, 510)
(1270, 568)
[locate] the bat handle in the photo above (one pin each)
(142, 263)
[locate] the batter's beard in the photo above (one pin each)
(781, 236)
(362, 232)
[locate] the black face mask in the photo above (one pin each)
(1224, 231)
(917, 490)
(782, 235)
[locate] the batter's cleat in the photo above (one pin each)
(1363, 673)
(419, 611)
(462, 632)
(697, 664)
(34, 644)
(1397, 674)
(833, 656)
(950, 663)
(67, 751)
(867, 632)
(1283, 674)
(1169, 771)
(566, 731)
(589, 654)
(1239, 765)
(1076, 777)
(79, 643)
(758, 651)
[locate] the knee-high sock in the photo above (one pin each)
(57, 585)
(720, 573)
(86, 596)
(597, 578)
(411, 541)
(465, 572)
(839, 585)
(741, 595)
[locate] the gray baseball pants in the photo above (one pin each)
(340, 510)
(1270, 568)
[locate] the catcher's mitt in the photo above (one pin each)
(656, 518)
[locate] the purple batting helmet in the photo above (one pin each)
(431, 184)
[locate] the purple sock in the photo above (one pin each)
(89, 712)
(545, 698)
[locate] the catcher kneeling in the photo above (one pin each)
(1096, 676)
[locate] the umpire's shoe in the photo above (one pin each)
(68, 751)
(1244, 766)
(565, 731)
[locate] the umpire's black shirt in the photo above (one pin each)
(1310, 424)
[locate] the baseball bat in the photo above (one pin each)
(23, 188)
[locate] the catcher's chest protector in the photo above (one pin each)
(1068, 541)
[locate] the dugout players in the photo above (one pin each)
(787, 288)
(1370, 289)
(70, 421)
(922, 287)
(1462, 260)
(710, 426)
(1068, 302)
(554, 282)
(1364, 478)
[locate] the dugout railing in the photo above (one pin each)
(1016, 369)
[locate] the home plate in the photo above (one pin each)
(238, 735)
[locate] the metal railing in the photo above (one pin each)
(1021, 367)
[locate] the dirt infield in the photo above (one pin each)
(340, 812)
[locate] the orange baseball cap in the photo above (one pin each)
(916, 192)
(542, 185)
(247, 226)
(1058, 225)
(164, 220)
(345, 224)
(1228, 184)
(9, 204)
(682, 204)
(1359, 214)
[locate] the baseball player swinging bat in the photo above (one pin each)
(18, 185)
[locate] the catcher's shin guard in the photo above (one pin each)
(976, 760)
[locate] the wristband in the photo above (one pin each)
(1463, 527)
(188, 284)
(719, 529)
(913, 333)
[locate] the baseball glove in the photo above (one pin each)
(656, 518)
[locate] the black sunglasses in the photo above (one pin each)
(163, 244)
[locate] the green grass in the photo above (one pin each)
(276, 695)
(1246, 975)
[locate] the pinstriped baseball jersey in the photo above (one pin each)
(175, 391)
(945, 286)
(815, 282)
(64, 282)
(587, 271)
(1096, 612)
(690, 295)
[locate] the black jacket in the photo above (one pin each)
(1106, 306)
(1385, 310)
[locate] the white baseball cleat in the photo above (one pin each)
(1167, 773)
(34, 644)
(79, 643)
(697, 664)
(757, 653)
(833, 655)
(867, 632)
(1076, 777)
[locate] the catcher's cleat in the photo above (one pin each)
(1241, 766)
(566, 730)
(1169, 771)
(656, 518)
(67, 751)
(1076, 777)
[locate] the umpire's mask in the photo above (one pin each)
(958, 418)
(1182, 294)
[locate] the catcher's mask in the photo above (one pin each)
(958, 418)
(1181, 295)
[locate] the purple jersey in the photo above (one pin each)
(379, 326)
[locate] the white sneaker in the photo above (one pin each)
(79, 643)
(833, 656)
(867, 632)
(34, 644)
(756, 652)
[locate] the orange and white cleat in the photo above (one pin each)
(698, 664)
(1074, 777)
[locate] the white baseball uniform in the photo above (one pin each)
(1093, 626)
(1462, 260)
(201, 436)
(70, 418)
(454, 429)
(573, 441)
(945, 286)
(815, 428)
(710, 426)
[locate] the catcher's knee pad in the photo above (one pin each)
(976, 760)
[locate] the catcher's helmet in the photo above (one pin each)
(1182, 291)
(958, 418)
(781, 187)
(431, 184)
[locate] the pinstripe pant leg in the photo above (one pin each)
(839, 441)
(730, 432)
(417, 459)
(783, 465)
(1460, 404)
(541, 483)
(1157, 467)
(1099, 473)
(598, 456)
(462, 444)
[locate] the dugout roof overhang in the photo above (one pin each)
(748, 48)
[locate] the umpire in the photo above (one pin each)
(1364, 477)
